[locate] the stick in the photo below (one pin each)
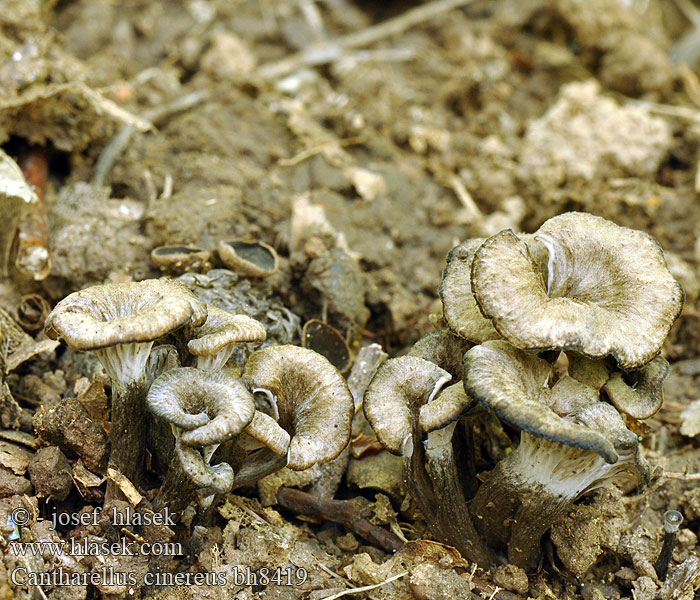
(344, 512)
(327, 51)
(365, 588)
(116, 145)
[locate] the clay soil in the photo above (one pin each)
(450, 123)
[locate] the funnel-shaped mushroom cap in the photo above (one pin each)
(312, 398)
(213, 407)
(448, 406)
(123, 313)
(459, 307)
(256, 259)
(214, 341)
(179, 258)
(397, 391)
(513, 383)
(643, 395)
(608, 290)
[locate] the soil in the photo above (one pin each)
(362, 163)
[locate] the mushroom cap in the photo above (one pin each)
(212, 406)
(459, 307)
(644, 397)
(121, 313)
(256, 259)
(179, 258)
(394, 396)
(443, 348)
(445, 408)
(312, 398)
(513, 383)
(608, 290)
(222, 329)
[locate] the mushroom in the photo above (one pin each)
(180, 259)
(606, 290)
(214, 341)
(643, 395)
(310, 398)
(204, 409)
(120, 322)
(570, 444)
(256, 259)
(402, 404)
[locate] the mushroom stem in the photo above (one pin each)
(532, 487)
(128, 433)
(177, 490)
(452, 518)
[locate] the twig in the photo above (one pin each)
(327, 51)
(344, 512)
(668, 110)
(681, 476)
(116, 145)
(365, 588)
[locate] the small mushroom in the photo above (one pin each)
(204, 409)
(402, 403)
(571, 443)
(256, 259)
(643, 395)
(120, 322)
(180, 259)
(311, 399)
(214, 342)
(606, 290)
(325, 339)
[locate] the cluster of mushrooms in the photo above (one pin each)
(288, 406)
(556, 333)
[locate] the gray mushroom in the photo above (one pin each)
(180, 259)
(120, 322)
(255, 259)
(214, 342)
(606, 290)
(204, 409)
(642, 395)
(571, 443)
(310, 398)
(403, 404)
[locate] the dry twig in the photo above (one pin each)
(344, 512)
(327, 51)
